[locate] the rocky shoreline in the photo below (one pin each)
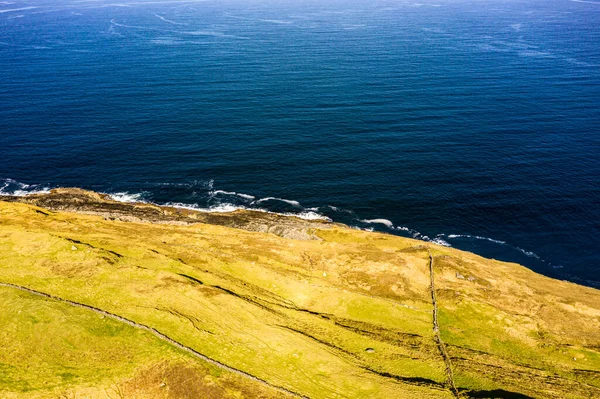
(311, 306)
(92, 203)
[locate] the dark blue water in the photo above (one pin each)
(471, 123)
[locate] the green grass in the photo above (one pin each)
(298, 314)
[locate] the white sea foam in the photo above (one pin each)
(192, 33)
(425, 5)
(517, 27)
(423, 237)
(115, 23)
(165, 42)
(168, 20)
(301, 215)
(370, 229)
(23, 193)
(275, 21)
(378, 221)
(141, 3)
(227, 208)
(291, 202)
(241, 195)
(529, 253)
(475, 237)
(309, 216)
(213, 33)
(17, 9)
(221, 208)
(336, 209)
(354, 26)
(18, 189)
(126, 197)
(523, 251)
(535, 54)
(440, 241)
(271, 21)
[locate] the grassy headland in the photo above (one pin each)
(100, 299)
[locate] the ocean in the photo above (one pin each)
(472, 124)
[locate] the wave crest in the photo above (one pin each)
(385, 222)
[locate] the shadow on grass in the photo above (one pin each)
(496, 394)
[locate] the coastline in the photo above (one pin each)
(92, 203)
(301, 295)
(287, 225)
(216, 201)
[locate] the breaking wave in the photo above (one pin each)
(384, 222)
(241, 195)
(126, 197)
(14, 188)
(221, 208)
(475, 237)
(291, 202)
(222, 201)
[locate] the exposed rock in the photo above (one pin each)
(89, 202)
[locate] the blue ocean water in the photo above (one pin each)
(474, 124)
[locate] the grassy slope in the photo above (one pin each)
(298, 314)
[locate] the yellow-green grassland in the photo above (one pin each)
(100, 299)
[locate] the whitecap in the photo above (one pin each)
(168, 20)
(14, 188)
(272, 21)
(125, 197)
(475, 237)
(241, 195)
(291, 202)
(529, 253)
(378, 221)
(309, 216)
(440, 241)
(213, 33)
(228, 208)
(23, 193)
(165, 42)
(221, 208)
(301, 215)
(535, 54)
(275, 21)
(336, 209)
(17, 9)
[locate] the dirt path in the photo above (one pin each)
(436, 332)
(159, 335)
